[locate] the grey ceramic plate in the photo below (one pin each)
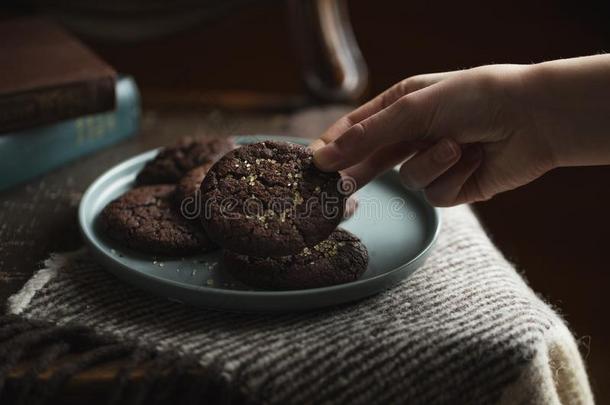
(397, 226)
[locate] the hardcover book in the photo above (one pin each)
(28, 153)
(46, 75)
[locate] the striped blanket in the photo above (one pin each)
(464, 329)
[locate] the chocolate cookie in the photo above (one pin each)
(268, 199)
(172, 163)
(187, 197)
(339, 259)
(145, 219)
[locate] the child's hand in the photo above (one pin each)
(471, 134)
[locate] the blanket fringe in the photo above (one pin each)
(168, 376)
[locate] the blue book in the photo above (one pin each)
(27, 154)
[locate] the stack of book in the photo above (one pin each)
(58, 100)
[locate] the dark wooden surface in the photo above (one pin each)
(555, 230)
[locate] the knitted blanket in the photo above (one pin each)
(465, 328)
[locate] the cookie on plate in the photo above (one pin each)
(268, 199)
(173, 162)
(339, 259)
(145, 219)
(188, 197)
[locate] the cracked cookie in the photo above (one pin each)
(268, 199)
(187, 197)
(145, 219)
(172, 162)
(339, 259)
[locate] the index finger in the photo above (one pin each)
(380, 102)
(407, 119)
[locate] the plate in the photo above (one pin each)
(397, 226)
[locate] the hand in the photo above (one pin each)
(468, 135)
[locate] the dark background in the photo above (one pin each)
(555, 230)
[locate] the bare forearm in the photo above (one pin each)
(570, 102)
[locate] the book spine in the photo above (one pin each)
(29, 153)
(47, 105)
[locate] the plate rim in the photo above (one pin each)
(87, 232)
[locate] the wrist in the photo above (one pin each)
(549, 111)
(531, 121)
(569, 104)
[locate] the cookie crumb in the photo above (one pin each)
(298, 199)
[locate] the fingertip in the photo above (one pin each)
(405, 177)
(423, 168)
(317, 144)
(448, 189)
(328, 158)
(361, 174)
(438, 198)
(351, 205)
